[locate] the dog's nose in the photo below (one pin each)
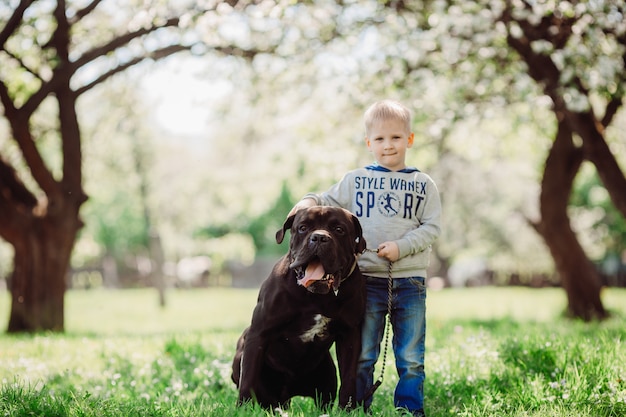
(319, 237)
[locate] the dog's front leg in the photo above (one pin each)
(348, 348)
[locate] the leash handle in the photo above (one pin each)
(373, 389)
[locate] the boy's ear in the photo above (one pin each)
(411, 139)
(280, 234)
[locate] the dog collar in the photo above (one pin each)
(351, 269)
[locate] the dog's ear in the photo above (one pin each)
(280, 234)
(360, 240)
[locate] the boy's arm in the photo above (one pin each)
(429, 229)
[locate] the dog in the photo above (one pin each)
(314, 297)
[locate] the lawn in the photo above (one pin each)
(490, 352)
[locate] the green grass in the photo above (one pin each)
(490, 352)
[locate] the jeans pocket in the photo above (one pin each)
(420, 284)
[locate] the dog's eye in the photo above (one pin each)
(302, 228)
(339, 229)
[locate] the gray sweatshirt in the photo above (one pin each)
(401, 206)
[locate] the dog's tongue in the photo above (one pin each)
(314, 272)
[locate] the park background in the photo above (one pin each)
(193, 127)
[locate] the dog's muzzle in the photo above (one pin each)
(315, 279)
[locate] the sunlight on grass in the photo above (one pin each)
(137, 312)
(490, 352)
(489, 303)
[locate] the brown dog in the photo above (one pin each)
(314, 297)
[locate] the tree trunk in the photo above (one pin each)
(41, 260)
(578, 275)
(158, 259)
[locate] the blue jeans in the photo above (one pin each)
(408, 320)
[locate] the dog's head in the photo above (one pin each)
(323, 246)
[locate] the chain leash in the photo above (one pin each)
(379, 381)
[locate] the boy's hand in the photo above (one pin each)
(304, 203)
(389, 251)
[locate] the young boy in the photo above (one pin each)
(399, 210)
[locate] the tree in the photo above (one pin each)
(575, 52)
(544, 36)
(39, 214)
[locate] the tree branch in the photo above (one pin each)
(156, 55)
(71, 182)
(12, 188)
(23, 65)
(65, 72)
(160, 54)
(19, 122)
(14, 21)
(611, 110)
(598, 152)
(5, 99)
(118, 42)
(248, 54)
(616, 101)
(38, 168)
(84, 11)
(16, 202)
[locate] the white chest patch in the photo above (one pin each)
(319, 329)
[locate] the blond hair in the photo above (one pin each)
(385, 110)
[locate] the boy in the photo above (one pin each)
(399, 210)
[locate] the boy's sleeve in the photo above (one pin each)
(429, 229)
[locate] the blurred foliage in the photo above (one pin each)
(262, 229)
(233, 142)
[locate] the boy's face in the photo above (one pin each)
(388, 140)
